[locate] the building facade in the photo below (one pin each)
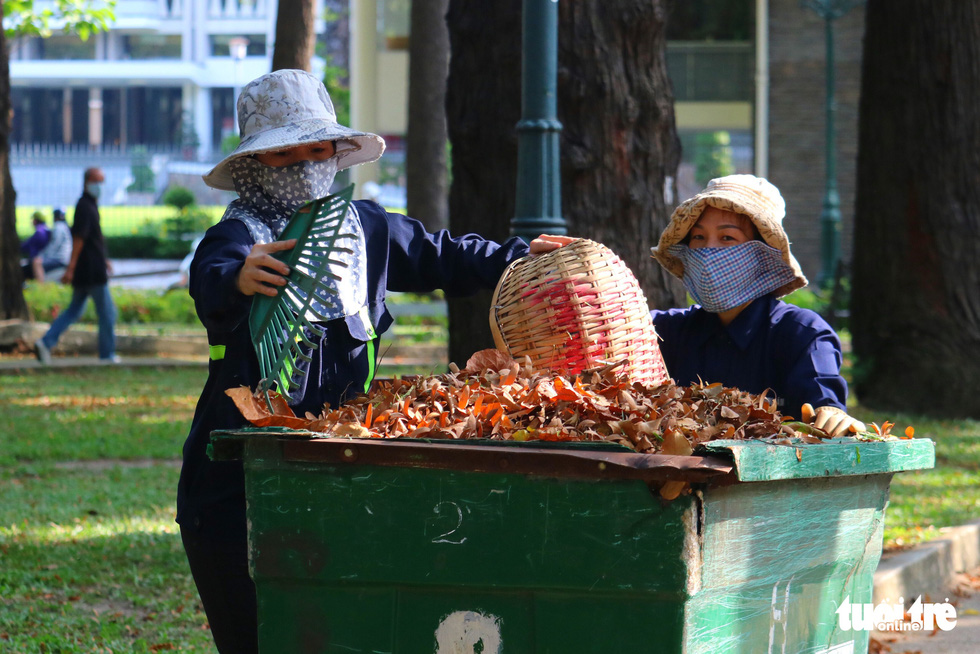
(165, 75)
(749, 80)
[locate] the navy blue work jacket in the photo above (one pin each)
(401, 256)
(791, 352)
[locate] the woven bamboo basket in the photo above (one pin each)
(575, 309)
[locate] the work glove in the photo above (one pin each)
(833, 421)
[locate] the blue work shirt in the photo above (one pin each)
(770, 346)
(401, 256)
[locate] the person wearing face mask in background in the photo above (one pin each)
(88, 272)
(291, 148)
(728, 246)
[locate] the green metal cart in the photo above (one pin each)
(455, 547)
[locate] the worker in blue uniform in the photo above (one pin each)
(290, 151)
(727, 244)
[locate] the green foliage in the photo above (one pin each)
(189, 221)
(135, 306)
(178, 197)
(81, 17)
(144, 181)
(807, 299)
(336, 79)
(229, 143)
(712, 156)
(147, 246)
(823, 301)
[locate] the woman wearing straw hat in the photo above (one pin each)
(291, 149)
(728, 245)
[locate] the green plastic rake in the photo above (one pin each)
(281, 327)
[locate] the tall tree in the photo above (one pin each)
(426, 176)
(619, 146)
(12, 305)
(20, 18)
(295, 35)
(915, 304)
(482, 109)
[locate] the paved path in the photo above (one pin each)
(964, 638)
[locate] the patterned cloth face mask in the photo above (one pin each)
(720, 279)
(278, 192)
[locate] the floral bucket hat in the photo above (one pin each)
(287, 108)
(749, 195)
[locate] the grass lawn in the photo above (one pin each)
(91, 557)
(92, 560)
(116, 220)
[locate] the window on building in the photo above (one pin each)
(79, 116)
(256, 45)
(394, 21)
(113, 123)
(711, 71)
(151, 46)
(711, 20)
(153, 116)
(37, 115)
(65, 46)
(711, 64)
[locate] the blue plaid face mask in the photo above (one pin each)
(720, 279)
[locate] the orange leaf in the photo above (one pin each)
(909, 431)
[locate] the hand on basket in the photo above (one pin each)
(832, 420)
(549, 242)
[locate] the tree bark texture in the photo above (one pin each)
(427, 179)
(482, 110)
(618, 143)
(915, 303)
(295, 35)
(12, 305)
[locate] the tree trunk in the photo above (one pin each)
(482, 109)
(12, 305)
(295, 35)
(426, 176)
(619, 144)
(915, 304)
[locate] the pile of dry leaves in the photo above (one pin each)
(497, 398)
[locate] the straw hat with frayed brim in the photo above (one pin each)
(287, 108)
(745, 194)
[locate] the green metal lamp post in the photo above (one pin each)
(829, 11)
(538, 200)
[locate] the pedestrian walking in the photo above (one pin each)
(88, 273)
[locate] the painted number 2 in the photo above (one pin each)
(447, 536)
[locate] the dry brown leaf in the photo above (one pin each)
(489, 359)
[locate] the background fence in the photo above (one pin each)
(49, 176)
